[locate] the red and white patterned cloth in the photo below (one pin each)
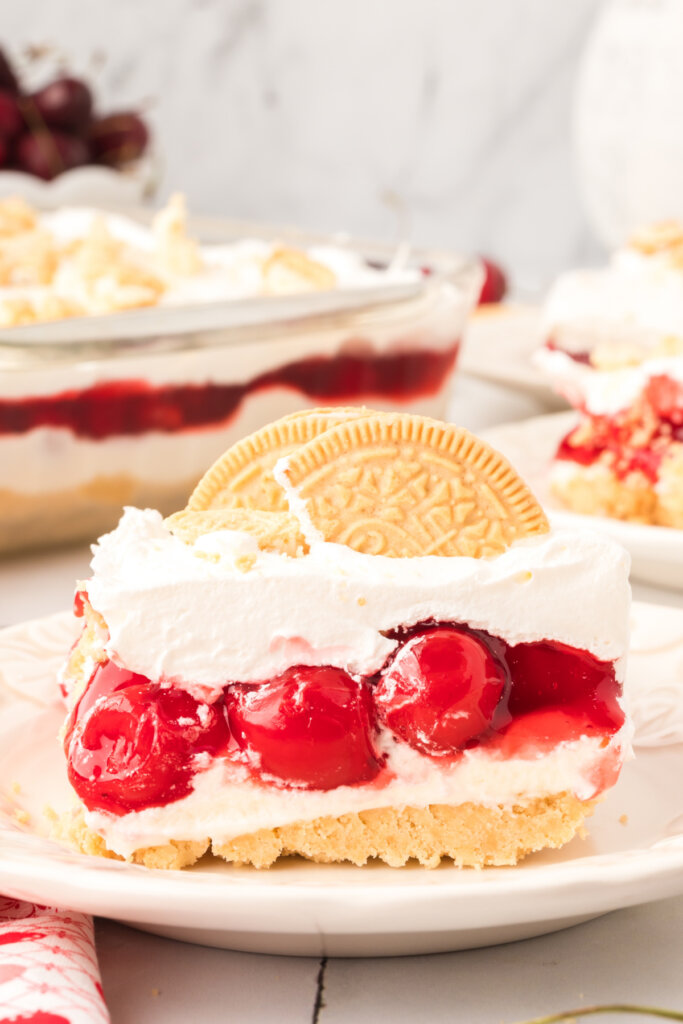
(48, 967)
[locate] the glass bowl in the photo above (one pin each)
(131, 408)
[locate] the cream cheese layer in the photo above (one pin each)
(226, 803)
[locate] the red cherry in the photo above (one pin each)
(542, 730)
(440, 691)
(80, 597)
(312, 727)
(495, 284)
(47, 154)
(133, 743)
(665, 396)
(4, 153)
(11, 120)
(8, 80)
(65, 104)
(545, 674)
(107, 678)
(118, 138)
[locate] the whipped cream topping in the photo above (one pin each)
(225, 271)
(637, 298)
(603, 392)
(171, 607)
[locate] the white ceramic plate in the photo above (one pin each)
(499, 343)
(656, 551)
(308, 909)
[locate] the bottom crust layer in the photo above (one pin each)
(599, 492)
(471, 835)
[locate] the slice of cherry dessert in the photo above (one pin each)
(361, 639)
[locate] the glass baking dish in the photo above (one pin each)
(131, 408)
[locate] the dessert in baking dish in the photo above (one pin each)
(359, 640)
(84, 262)
(128, 405)
(614, 348)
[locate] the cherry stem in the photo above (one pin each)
(590, 1011)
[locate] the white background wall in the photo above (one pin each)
(332, 113)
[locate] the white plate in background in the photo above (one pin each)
(500, 340)
(634, 852)
(656, 551)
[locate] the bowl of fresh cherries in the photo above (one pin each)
(56, 147)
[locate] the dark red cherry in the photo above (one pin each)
(118, 138)
(495, 284)
(11, 120)
(311, 727)
(4, 153)
(440, 691)
(133, 747)
(47, 154)
(8, 79)
(65, 104)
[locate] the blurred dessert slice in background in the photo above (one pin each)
(613, 346)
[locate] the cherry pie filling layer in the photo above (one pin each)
(133, 407)
(633, 440)
(133, 743)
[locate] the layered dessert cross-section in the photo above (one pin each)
(614, 348)
(169, 351)
(360, 639)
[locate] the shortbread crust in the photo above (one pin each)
(471, 835)
(596, 490)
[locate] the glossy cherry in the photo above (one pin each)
(11, 120)
(312, 727)
(65, 104)
(80, 597)
(550, 674)
(47, 154)
(615, 438)
(495, 284)
(665, 397)
(106, 678)
(440, 691)
(118, 138)
(542, 730)
(8, 79)
(132, 743)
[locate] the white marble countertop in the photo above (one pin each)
(629, 956)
